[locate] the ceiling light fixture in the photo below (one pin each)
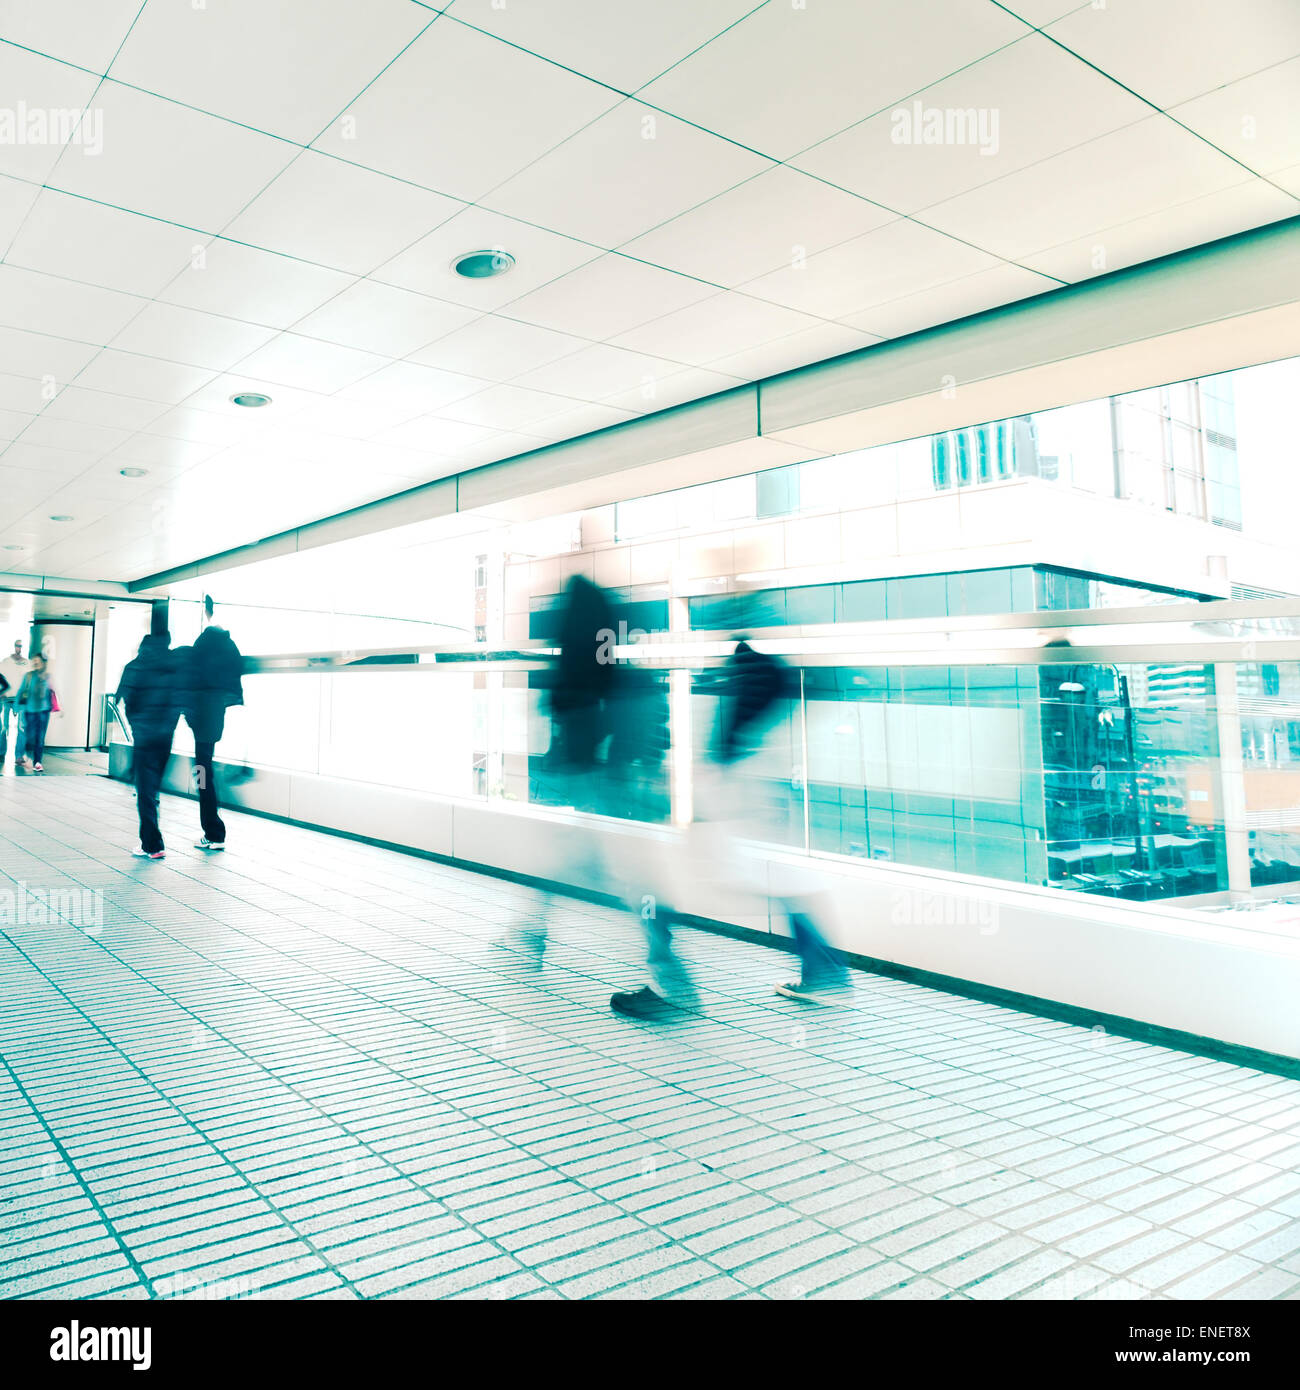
(133, 472)
(482, 265)
(13, 547)
(63, 518)
(252, 399)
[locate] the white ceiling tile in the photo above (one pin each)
(309, 364)
(1042, 12)
(200, 426)
(254, 286)
(1013, 108)
(507, 407)
(57, 464)
(84, 32)
(63, 308)
(349, 420)
(579, 420)
(161, 455)
(1219, 214)
(409, 386)
(27, 395)
(539, 256)
(1130, 173)
(896, 259)
(244, 422)
(339, 214)
(497, 348)
(287, 67)
(521, 107)
(769, 221)
(382, 318)
(1288, 179)
(607, 296)
(76, 403)
(624, 45)
(16, 199)
(1256, 120)
(54, 433)
(100, 245)
(599, 371)
(797, 350)
(168, 161)
(673, 389)
(192, 338)
(717, 327)
(437, 436)
(41, 357)
(790, 75)
(130, 375)
(12, 424)
(652, 168)
(43, 102)
(986, 289)
(1169, 51)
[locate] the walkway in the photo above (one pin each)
(300, 1069)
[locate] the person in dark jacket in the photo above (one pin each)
(149, 694)
(214, 683)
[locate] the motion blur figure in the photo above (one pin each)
(12, 670)
(150, 692)
(742, 808)
(609, 739)
(576, 690)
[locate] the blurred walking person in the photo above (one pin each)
(12, 670)
(577, 691)
(214, 683)
(150, 694)
(35, 704)
(744, 805)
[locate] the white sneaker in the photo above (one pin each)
(213, 845)
(148, 854)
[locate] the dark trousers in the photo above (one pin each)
(35, 723)
(819, 961)
(150, 762)
(214, 828)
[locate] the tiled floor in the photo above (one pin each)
(300, 1070)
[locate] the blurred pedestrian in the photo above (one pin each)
(35, 703)
(214, 682)
(744, 806)
(576, 691)
(12, 670)
(150, 693)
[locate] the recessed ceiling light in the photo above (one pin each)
(63, 518)
(13, 547)
(482, 265)
(252, 399)
(133, 472)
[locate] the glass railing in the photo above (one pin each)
(1137, 754)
